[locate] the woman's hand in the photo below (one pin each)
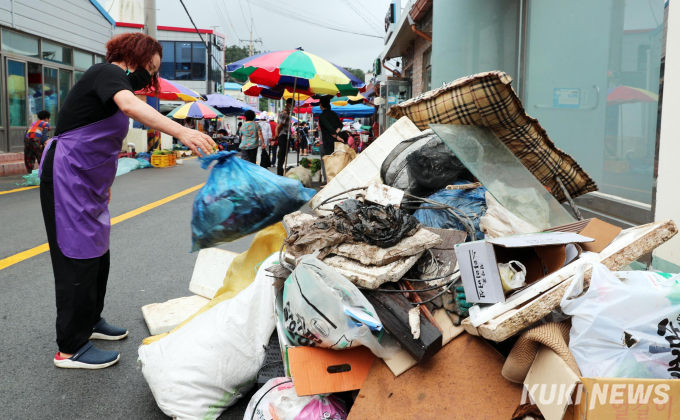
(198, 142)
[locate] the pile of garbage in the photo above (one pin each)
(438, 276)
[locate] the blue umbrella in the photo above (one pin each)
(228, 105)
(352, 111)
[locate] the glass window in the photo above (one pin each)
(19, 44)
(56, 53)
(167, 70)
(99, 59)
(82, 59)
(35, 91)
(592, 80)
(50, 93)
(64, 86)
(477, 36)
(183, 61)
(77, 75)
(183, 56)
(427, 70)
(198, 57)
(16, 93)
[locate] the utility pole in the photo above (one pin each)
(251, 40)
(150, 18)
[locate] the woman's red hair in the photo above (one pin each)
(135, 49)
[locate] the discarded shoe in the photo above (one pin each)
(88, 357)
(104, 331)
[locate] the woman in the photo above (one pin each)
(251, 138)
(35, 138)
(77, 171)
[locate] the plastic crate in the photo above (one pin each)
(272, 367)
(163, 161)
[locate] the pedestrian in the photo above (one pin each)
(77, 171)
(302, 135)
(237, 141)
(273, 143)
(330, 127)
(262, 153)
(308, 141)
(251, 138)
(35, 138)
(282, 133)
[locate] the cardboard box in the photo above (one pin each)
(322, 371)
(603, 233)
(560, 394)
(541, 254)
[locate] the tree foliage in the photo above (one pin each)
(357, 72)
(234, 53)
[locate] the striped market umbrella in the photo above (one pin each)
(195, 110)
(297, 69)
(171, 91)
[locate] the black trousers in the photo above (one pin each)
(80, 285)
(249, 154)
(281, 155)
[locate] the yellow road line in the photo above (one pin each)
(21, 256)
(190, 157)
(17, 190)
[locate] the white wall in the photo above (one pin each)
(667, 192)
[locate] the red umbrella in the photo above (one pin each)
(171, 91)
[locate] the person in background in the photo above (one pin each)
(330, 127)
(302, 134)
(251, 134)
(294, 135)
(238, 133)
(35, 138)
(350, 140)
(282, 130)
(375, 128)
(266, 129)
(273, 143)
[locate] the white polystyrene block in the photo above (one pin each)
(164, 317)
(209, 271)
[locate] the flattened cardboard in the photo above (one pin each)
(603, 233)
(541, 254)
(462, 381)
(579, 398)
(314, 369)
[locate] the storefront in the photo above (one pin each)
(40, 62)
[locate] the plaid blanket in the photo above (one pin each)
(488, 99)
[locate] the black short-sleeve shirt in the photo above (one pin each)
(90, 101)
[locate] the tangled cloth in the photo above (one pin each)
(383, 226)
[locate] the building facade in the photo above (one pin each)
(45, 46)
(569, 61)
(186, 59)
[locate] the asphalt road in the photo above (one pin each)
(150, 262)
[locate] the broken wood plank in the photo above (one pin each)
(392, 309)
(628, 247)
(480, 315)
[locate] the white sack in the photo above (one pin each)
(205, 366)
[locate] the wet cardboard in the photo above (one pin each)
(541, 254)
(602, 232)
(462, 381)
(581, 398)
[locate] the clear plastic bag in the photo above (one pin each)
(625, 327)
(322, 308)
(31, 179)
(241, 198)
(278, 401)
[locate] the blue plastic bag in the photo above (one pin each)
(126, 165)
(145, 156)
(241, 198)
(471, 202)
(144, 163)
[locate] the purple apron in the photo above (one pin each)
(85, 164)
